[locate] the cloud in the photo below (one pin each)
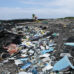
(34, 2)
(49, 2)
(13, 13)
(47, 9)
(57, 6)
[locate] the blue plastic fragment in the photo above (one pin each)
(69, 44)
(26, 66)
(62, 64)
(54, 34)
(46, 51)
(23, 59)
(51, 44)
(34, 71)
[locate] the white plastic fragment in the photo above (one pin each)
(43, 48)
(24, 73)
(44, 55)
(46, 59)
(48, 67)
(24, 55)
(65, 54)
(17, 62)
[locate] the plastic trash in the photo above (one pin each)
(69, 44)
(45, 59)
(46, 51)
(24, 55)
(24, 72)
(47, 67)
(65, 54)
(55, 34)
(62, 64)
(23, 59)
(34, 71)
(44, 55)
(26, 66)
(17, 62)
(33, 54)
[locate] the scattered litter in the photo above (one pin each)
(34, 50)
(69, 44)
(24, 73)
(63, 64)
(17, 62)
(26, 66)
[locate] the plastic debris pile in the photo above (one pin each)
(35, 53)
(37, 47)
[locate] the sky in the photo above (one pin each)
(20, 9)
